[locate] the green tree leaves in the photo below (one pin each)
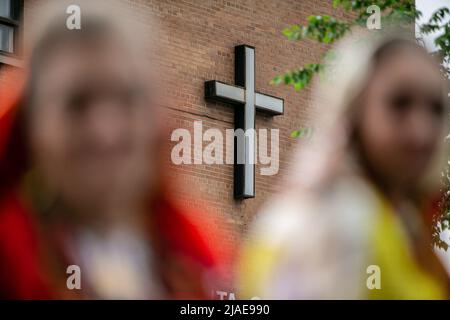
(440, 22)
(324, 29)
(302, 132)
(299, 78)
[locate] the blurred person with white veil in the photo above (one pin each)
(357, 203)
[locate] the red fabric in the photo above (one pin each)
(181, 234)
(5, 125)
(188, 252)
(20, 273)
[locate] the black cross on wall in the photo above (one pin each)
(246, 101)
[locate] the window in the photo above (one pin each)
(7, 38)
(10, 13)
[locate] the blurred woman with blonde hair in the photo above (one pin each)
(352, 222)
(83, 182)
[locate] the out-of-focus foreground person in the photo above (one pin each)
(83, 182)
(354, 222)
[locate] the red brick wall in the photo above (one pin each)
(199, 39)
(200, 42)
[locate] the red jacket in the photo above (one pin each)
(185, 243)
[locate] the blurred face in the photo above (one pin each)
(403, 119)
(93, 129)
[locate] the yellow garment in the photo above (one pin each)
(401, 275)
(257, 264)
(388, 248)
